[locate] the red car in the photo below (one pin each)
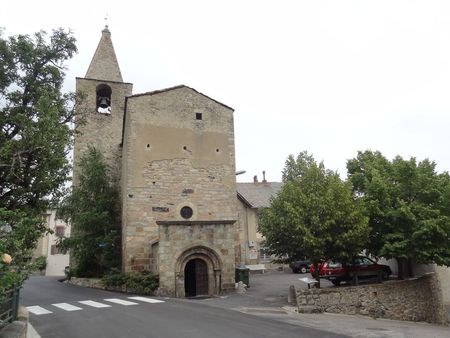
(363, 266)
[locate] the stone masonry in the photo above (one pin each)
(418, 299)
(173, 153)
(172, 159)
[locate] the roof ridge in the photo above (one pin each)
(159, 91)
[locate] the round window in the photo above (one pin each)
(186, 212)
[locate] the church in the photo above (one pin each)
(173, 151)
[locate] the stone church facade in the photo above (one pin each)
(173, 150)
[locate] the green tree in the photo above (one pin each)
(315, 215)
(408, 205)
(35, 117)
(19, 233)
(93, 209)
(35, 137)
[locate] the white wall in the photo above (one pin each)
(56, 262)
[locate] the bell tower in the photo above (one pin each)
(102, 109)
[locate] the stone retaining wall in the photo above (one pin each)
(18, 328)
(418, 299)
(97, 283)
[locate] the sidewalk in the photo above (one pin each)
(267, 296)
(31, 332)
(363, 326)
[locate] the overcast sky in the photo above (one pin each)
(330, 77)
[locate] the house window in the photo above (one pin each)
(198, 116)
(60, 230)
(103, 99)
(54, 250)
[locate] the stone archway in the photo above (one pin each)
(198, 272)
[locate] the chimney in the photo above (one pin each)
(255, 179)
(264, 177)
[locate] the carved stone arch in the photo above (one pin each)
(214, 268)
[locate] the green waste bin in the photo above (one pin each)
(242, 275)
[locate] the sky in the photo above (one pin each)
(329, 77)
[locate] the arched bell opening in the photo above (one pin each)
(103, 99)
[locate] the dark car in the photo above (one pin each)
(300, 266)
(362, 266)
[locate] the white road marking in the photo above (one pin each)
(37, 310)
(93, 304)
(67, 307)
(147, 300)
(120, 301)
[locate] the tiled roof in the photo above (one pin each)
(257, 195)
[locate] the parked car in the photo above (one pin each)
(362, 266)
(300, 266)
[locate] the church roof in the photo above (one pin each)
(104, 65)
(159, 91)
(257, 195)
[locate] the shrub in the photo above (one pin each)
(144, 282)
(40, 263)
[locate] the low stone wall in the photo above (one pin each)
(18, 328)
(417, 299)
(95, 283)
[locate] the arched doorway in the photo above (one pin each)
(198, 272)
(196, 278)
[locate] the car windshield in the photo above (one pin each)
(363, 261)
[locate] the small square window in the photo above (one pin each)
(60, 230)
(54, 250)
(198, 116)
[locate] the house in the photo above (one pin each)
(251, 197)
(173, 150)
(46, 247)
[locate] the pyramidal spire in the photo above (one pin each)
(104, 65)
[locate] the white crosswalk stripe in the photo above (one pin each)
(147, 300)
(120, 301)
(94, 304)
(37, 310)
(67, 307)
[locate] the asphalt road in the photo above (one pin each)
(169, 318)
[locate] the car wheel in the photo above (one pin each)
(385, 275)
(303, 269)
(336, 282)
(295, 270)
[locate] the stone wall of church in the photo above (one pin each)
(178, 151)
(174, 240)
(101, 131)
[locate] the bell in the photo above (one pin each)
(104, 102)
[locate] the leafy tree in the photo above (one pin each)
(19, 234)
(35, 137)
(93, 209)
(35, 133)
(314, 215)
(408, 205)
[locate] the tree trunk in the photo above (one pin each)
(316, 274)
(410, 268)
(400, 267)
